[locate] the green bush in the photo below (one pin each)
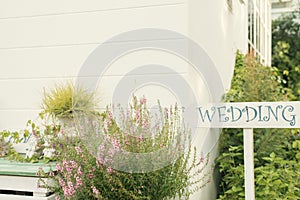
(279, 177)
(285, 49)
(255, 82)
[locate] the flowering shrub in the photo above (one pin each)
(129, 154)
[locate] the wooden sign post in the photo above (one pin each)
(249, 164)
(249, 115)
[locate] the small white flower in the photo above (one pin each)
(30, 152)
(48, 152)
(32, 145)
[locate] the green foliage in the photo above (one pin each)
(285, 50)
(4, 147)
(279, 177)
(43, 138)
(232, 168)
(254, 82)
(66, 99)
(7, 139)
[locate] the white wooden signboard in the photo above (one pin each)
(249, 115)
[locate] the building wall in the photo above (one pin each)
(283, 7)
(45, 42)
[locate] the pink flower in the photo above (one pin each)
(140, 138)
(95, 191)
(73, 163)
(57, 198)
(112, 152)
(65, 189)
(65, 163)
(79, 172)
(137, 116)
(71, 190)
(51, 173)
(78, 150)
(109, 170)
(143, 100)
(201, 159)
(116, 144)
(61, 182)
(78, 182)
(166, 113)
(145, 123)
(109, 119)
(91, 175)
(101, 147)
(101, 160)
(110, 115)
(69, 169)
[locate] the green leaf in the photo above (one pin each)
(272, 155)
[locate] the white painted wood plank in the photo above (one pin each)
(18, 197)
(249, 164)
(15, 119)
(61, 62)
(14, 82)
(155, 90)
(20, 183)
(43, 62)
(27, 94)
(87, 28)
(16, 8)
(39, 194)
(22, 94)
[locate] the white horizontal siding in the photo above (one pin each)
(45, 43)
(37, 8)
(87, 28)
(16, 119)
(22, 87)
(48, 62)
(23, 94)
(66, 61)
